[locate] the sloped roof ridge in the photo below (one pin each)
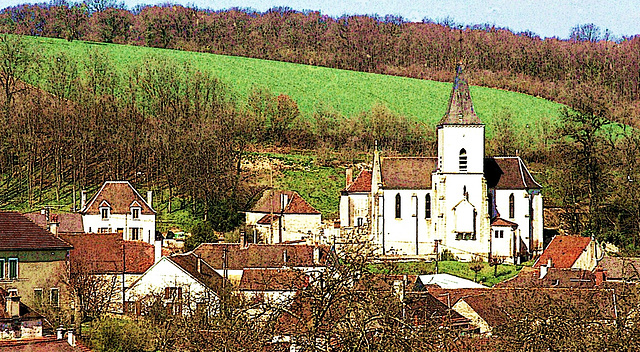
(135, 191)
(460, 110)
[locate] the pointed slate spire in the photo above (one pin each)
(460, 111)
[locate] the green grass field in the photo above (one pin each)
(348, 92)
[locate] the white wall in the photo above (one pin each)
(400, 233)
(452, 138)
(147, 224)
(352, 207)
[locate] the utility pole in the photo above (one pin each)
(437, 245)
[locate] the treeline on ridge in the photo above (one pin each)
(523, 62)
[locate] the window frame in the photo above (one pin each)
(427, 206)
(135, 213)
(463, 161)
(17, 269)
(398, 207)
(105, 213)
(137, 231)
(38, 294)
(512, 206)
(3, 271)
(56, 302)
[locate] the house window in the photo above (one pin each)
(465, 236)
(135, 213)
(463, 160)
(173, 300)
(13, 268)
(427, 206)
(104, 213)
(499, 233)
(54, 297)
(134, 233)
(2, 269)
(360, 222)
(512, 206)
(104, 230)
(398, 207)
(37, 293)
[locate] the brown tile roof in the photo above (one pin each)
(272, 280)
(496, 306)
(68, 222)
(17, 232)
(362, 183)
(452, 295)
(621, 268)
(563, 251)
(555, 278)
(260, 255)
(206, 274)
(102, 253)
(508, 173)
(422, 307)
(120, 195)
(268, 219)
(44, 344)
(407, 172)
(460, 110)
(270, 202)
(503, 222)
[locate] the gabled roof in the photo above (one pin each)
(362, 183)
(272, 280)
(101, 253)
(508, 173)
(407, 172)
(555, 278)
(260, 255)
(202, 272)
(270, 203)
(17, 232)
(460, 110)
(563, 251)
(68, 222)
(119, 196)
(504, 223)
(422, 307)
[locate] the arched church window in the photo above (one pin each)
(427, 206)
(463, 160)
(398, 208)
(512, 206)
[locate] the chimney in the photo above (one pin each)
(284, 200)
(199, 264)
(59, 333)
(284, 258)
(243, 240)
(349, 177)
(157, 249)
(83, 199)
(599, 272)
(13, 305)
(549, 263)
(543, 271)
(150, 198)
(54, 224)
(71, 338)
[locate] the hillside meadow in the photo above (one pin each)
(347, 92)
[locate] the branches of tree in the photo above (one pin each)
(498, 57)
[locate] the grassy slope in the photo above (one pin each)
(346, 91)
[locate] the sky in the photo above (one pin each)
(547, 18)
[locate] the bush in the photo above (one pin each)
(120, 335)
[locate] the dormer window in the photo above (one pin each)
(105, 210)
(463, 160)
(135, 210)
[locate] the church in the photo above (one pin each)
(460, 201)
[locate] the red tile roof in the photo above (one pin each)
(272, 280)
(422, 308)
(102, 253)
(503, 222)
(407, 172)
(202, 272)
(555, 278)
(268, 219)
(563, 251)
(44, 344)
(68, 222)
(260, 255)
(362, 183)
(17, 232)
(270, 202)
(508, 173)
(120, 195)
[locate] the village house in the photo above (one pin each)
(105, 265)
(283, 216)
(117, 207)
(57, 223)
(570, 252)
(184, 283)
(231, 259)
(459, 200)
(33, 262)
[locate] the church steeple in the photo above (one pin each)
(460, 111)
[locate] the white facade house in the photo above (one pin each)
(283, 216)
(460, 200)
(117, 207)
(184, 282)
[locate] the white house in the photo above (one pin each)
(460, 200)
(283, 216)
(184, 282)
(117, 207)
(272, 286)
